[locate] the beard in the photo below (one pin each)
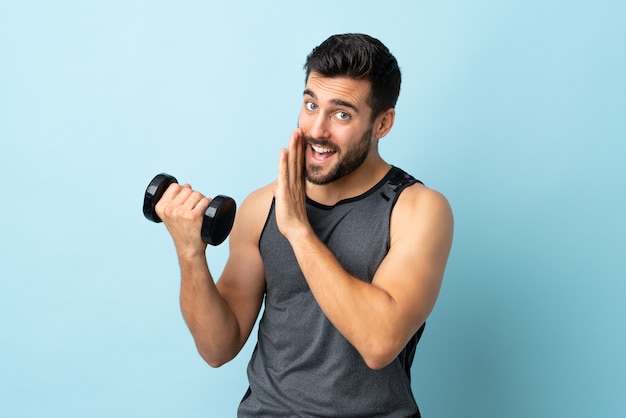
(348, 162)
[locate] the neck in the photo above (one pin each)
(354, 184)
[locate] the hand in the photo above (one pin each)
(182, 211)
(290, 191)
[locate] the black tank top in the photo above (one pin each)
(302, 366)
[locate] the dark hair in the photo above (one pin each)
(359, 56)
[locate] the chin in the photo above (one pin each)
(317, 176)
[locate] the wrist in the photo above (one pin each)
(191, 255)
(300, 233)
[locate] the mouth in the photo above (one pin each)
(320, 153)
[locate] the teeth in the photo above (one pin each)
(320, 150)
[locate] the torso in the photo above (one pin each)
(301, 362)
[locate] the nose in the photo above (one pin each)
(318, 126)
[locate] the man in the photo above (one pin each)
(347, 251)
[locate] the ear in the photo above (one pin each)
(384, 123)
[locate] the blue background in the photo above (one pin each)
(514, 110)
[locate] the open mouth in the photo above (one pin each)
(321, 153)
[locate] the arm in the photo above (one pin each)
(380, 317)
(220, 316)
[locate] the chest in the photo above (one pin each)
(356, 234)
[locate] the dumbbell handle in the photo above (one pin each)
(218, 218)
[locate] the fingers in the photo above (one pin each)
(188, 198)
(295, 160)
(290, 190)
(182, 200)
(298, 165)
(286, 161)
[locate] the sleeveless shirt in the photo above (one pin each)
(302, 366)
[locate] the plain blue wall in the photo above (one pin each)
(514, 110)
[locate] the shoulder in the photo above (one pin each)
(419, 197)
(253, 211)
(260, 198)
(422, 211)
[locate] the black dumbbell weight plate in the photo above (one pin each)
(218, 220)
(154, 191)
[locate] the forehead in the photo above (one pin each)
(331, 89)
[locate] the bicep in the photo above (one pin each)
(412, 271)
(242, 283)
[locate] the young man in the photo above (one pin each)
(347, 251)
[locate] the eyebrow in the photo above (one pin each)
(337, 102)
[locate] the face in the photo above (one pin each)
(338, 131)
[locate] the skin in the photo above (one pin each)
(378, 318)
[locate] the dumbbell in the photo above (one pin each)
(218, 218)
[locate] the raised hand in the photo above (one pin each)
(290, 191)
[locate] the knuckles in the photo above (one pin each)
(178, 201)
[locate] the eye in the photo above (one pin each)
(342, 115)
(310, 106)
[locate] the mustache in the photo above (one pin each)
(309, 140)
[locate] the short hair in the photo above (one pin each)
(359, 56)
